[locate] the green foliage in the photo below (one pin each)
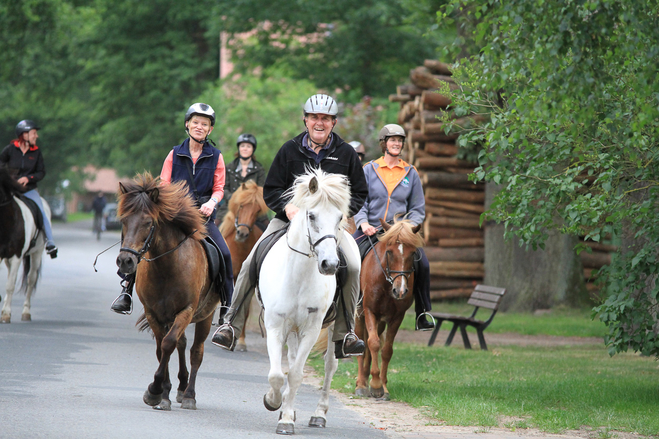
(572, 138)
(366, 47)
(553, 389)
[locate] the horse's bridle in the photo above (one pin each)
(237, 224)
(312, 245)
(388, 271)
(147, 244)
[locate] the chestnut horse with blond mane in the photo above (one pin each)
(387, 282)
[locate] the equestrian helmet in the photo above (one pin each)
(200, 109)
(321, 104)
(246, 138)
(391, 130)
(359, 148)
(25, 126)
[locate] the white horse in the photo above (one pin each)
(297, 285)
(20, 241)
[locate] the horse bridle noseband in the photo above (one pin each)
(147, 244)
(388, 271)
(312, 245)
(237, 224)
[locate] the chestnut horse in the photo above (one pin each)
(161, 231)
(20, 241)
(238, 230)
(387, 281)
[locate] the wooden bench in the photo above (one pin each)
(483, 296)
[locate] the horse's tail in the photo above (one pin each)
(27, 265)
(321, 344)
(142, 324)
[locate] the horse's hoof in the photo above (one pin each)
(317, 421)
(151, 399)
(189, 404)
(27, 317)
(285, 428)
(268, 406)
(377, 393)
(241, 347)
(165, 405)
(363, 392)
(179, 396)
(6, 318)
(384, 397)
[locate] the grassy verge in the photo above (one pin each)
(78, 216)
(553, 389)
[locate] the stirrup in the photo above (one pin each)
(425, 313)
(126, 313)
(232, 346)
(343, 345)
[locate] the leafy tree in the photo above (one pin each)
(366, 47)
(572, 139)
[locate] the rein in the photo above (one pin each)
(147, 244)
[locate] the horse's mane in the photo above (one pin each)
(401, 232)
(332, 189)
(173, 203)
(252, 193)
(8, 183)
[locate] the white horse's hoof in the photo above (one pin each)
(317, 421)
(285, 428)
(241, 347)
(6, 318)
(268, 406)
(363, 392)
(27, 317)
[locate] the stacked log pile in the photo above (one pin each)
(600, 255)
(454, 240)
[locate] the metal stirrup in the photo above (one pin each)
(126, 313)
(233, 336)
(425, 313)
(343, 345)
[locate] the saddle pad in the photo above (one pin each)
(36, 213)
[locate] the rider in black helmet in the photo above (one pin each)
(23, 158)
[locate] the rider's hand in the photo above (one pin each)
(207, 208)
(23, 180)
(291, 211)
(368, 229)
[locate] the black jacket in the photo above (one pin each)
(291, 161)
(28, 165)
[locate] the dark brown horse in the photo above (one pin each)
(237, 228)
(387, 281)
(161, 230)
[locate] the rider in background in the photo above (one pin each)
(394, 189)
(316, 147)
(359, 149)
(24, 160)
(98, 204)
(243, 168)
(201, 166)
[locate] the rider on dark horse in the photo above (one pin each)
(201, 166)
(22, 157)
(316, 147)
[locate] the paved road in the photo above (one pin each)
(79, 371)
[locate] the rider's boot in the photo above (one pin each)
(51, 250)
(422, 322)
(124, 303)
(350, 346)
(225, 337)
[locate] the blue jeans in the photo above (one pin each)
(34, 196)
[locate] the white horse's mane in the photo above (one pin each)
(333, 189)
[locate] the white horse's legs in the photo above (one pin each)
(35, 263)
(12, 265)
(319, 418)
(275, 344)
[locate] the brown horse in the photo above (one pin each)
(387, 281)
(237, 228)
(162, 230)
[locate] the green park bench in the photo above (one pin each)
(483, 296)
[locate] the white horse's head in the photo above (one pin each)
(323, 200)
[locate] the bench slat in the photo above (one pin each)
(486, 297)
(483, 304)
(489, 289)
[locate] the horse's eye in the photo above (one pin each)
(312, 217)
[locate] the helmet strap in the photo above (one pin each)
(245, 158)
(195, 139)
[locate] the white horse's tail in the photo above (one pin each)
(321, 344)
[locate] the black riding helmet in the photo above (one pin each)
(25, 126)
(247, 138)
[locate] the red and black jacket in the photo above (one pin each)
(28, 165)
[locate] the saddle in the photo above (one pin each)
(264, 247)
(216, 266)
(36, 214)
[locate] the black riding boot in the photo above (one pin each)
(124, 303)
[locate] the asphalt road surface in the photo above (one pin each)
(78, 370)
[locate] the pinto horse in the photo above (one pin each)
(162, 230)
(297, 285)
(387, 281)
(20, 240)
(238, 230)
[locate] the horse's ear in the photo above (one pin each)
(153, 194)
(313, 185)
(122, 189)
(416, 228)
(385, 225)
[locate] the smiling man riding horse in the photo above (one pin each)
(201, 166)
(316, 147)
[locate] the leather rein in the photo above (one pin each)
(147, 244)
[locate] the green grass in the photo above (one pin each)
(552, 389)
(560, 322)
(78, 216)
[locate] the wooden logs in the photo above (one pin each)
(441, 149)
(399, 98)
(442, 163)
(438, 67)
(457, 269)
(460, 254)
(434, 100)
(462, 198)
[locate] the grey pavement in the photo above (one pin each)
(78, 370)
